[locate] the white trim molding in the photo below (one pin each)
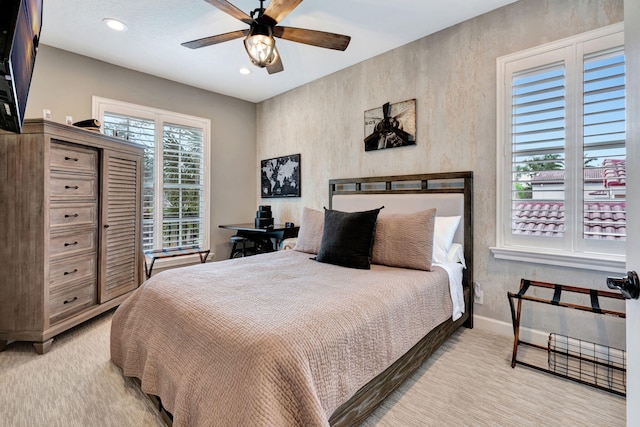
(598, 262)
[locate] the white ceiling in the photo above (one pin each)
(157, 27)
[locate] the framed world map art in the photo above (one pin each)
(280, 176)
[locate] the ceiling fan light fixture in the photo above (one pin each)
(261, 46)
(264, 25)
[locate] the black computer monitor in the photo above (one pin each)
(20, 24)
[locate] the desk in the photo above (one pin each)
(262, 236)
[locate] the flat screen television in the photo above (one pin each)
(20, 24)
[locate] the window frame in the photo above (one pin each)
(570, 250)
(161, 117)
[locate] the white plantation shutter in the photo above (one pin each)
(141, 131)
(561, 152)
(175, 205)
(538, 151)
(183, 168)
(604, 140)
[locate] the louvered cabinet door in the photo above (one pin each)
(121, 245)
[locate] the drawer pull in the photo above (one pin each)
(71, 216)
(71, 244)
(70, 300)
(71, 187)
(75, 159)
(75, 270)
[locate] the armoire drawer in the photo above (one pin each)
(67, 301)
(72, 243)
(73, 159)
(62, 215)
(72, 269)
(63, 186)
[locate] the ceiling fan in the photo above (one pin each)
(263, 27)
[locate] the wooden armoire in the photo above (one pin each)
(70, 228)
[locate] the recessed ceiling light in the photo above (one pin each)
(244, 70)
(115, 24)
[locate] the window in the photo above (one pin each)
(175, 185)
(561, 152)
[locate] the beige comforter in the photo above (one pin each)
(271, 340)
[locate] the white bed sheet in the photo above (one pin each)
(454, 270)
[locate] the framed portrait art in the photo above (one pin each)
(280, 176)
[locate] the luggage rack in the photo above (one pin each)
(153, 255)
(588, 363)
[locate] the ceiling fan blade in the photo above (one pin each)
(313, 37)
(278, 9)
(227, 7)
(220, 38)
(277, 66)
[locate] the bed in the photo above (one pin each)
(295, 338)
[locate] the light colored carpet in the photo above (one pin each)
(468, 382)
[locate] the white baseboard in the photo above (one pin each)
(499, 327)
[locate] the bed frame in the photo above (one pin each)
(452, 194)
(423, 191)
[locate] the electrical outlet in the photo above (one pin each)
(478, 294)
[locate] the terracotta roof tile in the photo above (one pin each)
(612, 173)
(615, 172)
(548, 176)
(602, 220)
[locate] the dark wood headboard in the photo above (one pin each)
(451, 193)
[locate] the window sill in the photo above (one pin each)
(599, 262)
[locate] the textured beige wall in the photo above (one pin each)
(65, 82)
(452, 75)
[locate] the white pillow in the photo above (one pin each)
(456, 254)
(444, 230)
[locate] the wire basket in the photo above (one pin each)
(589, 363)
